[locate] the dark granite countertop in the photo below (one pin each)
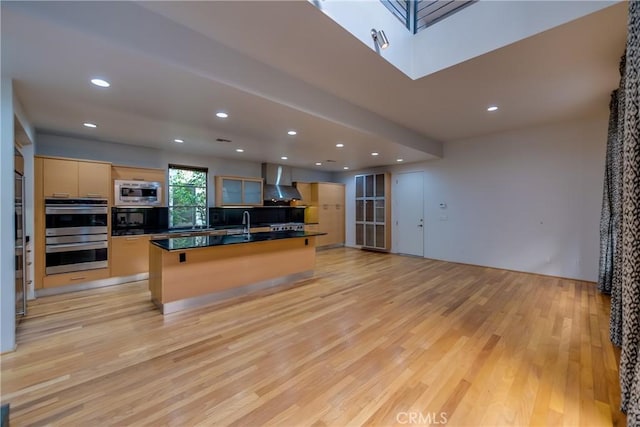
(182, 243)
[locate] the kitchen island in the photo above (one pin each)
(187, 272)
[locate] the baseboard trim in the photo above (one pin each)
(111, 281)
(214, 297)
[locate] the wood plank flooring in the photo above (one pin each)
(371, 339)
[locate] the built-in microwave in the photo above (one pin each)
(137, 193)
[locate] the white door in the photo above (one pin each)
(408, 211)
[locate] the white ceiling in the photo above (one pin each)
(276, 66)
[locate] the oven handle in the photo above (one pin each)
(50, 210)
(68, 247)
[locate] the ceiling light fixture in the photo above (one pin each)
(239, 150)
(400, 160)
(222, 115)
(374, 153)
(346, 168)
(100, 82)
(339, 145)
(179, 141)
(284, 157)
(318, 164)
(380, 38)
(90, 125)
(292, 132)
(492, 108)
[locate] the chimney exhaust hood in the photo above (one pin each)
(277, 183)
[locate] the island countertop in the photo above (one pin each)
(182, 243)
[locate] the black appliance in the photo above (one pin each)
(126, 221)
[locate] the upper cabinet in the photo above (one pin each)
(127, 173)
(238, 191)
(94, 180)
(65, 178)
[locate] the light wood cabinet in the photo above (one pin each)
(238, 191)
(60, 178)
(75, 278)
(129, 255)
(373, 211)
(304, 188)
(311, 228)
(94, 180)
(128, 173)
(67, 178)
(325, 209)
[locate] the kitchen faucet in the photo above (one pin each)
(246, 222)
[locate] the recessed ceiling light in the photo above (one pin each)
(90, 125)
(318, 164)
(239, 150)
(399, 160)
(292, 132)
(374, 153)
(222, 115)
(346, 167)
(284, 157)
(179, 141)
(339, 145)
(492, 108)
(100, 82)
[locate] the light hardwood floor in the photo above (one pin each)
(371, 339)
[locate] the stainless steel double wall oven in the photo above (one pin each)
(76, 235)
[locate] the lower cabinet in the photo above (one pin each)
(129, 255)
(64, 279)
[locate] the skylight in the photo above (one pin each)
(416, 15)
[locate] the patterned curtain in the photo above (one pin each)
(610, 270)
(630, 353)
(615, 325)
(608, 231)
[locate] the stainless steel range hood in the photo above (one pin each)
(277, 183)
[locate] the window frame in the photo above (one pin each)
(171, 207)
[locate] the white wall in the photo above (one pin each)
(473, 31)
(488, 25)
(7, 272)
(526, 200)
(360, 17)
(130, 155)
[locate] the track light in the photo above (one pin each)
(380, 38)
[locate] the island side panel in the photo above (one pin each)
(219, 268)
(155, 272)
